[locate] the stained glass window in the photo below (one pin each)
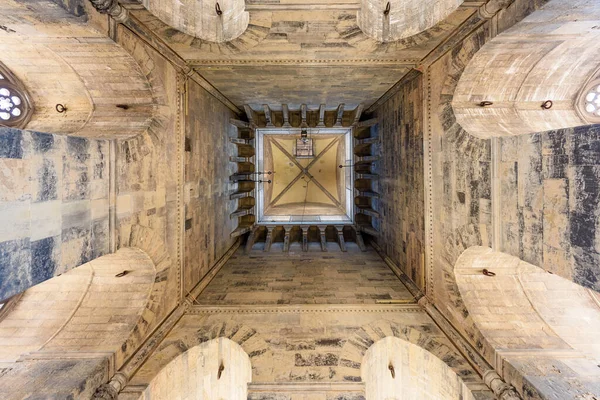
(15, 107)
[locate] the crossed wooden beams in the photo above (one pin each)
(305, 172)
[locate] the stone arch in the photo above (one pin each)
(396, 369)
(151, 243)
(73, 331)
(215, 369)
(403, 18)
(258, 28)
(212, 21)
(95, 308)
(532, 77)
(258, 350)
(63, 61)
(357, 345)
(526, 315)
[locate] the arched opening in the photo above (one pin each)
(394, 369)
(216, 369)
(82, 323)
(526, 315)
(89, 308)
(534, 77)
(211, 20)
(390, 20)
(79, 80)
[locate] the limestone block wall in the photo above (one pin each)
(148, 178)
(549, 201)
(297, 277)
(86, 309)
(208, 225)
(550, 55)
(401, 201)
(302, 351)
(53, 206)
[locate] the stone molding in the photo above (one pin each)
(303, 387)
(358, 61)
(304, 309)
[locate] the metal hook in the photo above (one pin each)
(392, 371)
(120, 274)
(488, 273)
(485, 103)
(388, 7)
(547, 104)
(218, 9)
(60, 108)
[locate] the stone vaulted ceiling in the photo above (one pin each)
(294, 52)
(316, 189)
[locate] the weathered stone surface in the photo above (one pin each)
(401, 206)
(60, 208)
(304, 278)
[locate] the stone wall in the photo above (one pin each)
(401, 205)
(207, 187)
(550, 201)
(298, 277)
(460, 191)
(307, 347)
(404, 18)
(197, 375)
(313, 348)
(413, 374)
(147, 174)
(53, 206)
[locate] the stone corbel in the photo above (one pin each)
(493, 381)
(492, 8)
(501, 389)
(111, 8)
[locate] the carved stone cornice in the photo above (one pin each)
(305, 309)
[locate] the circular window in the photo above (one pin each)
(592, 101)
(15, 106)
